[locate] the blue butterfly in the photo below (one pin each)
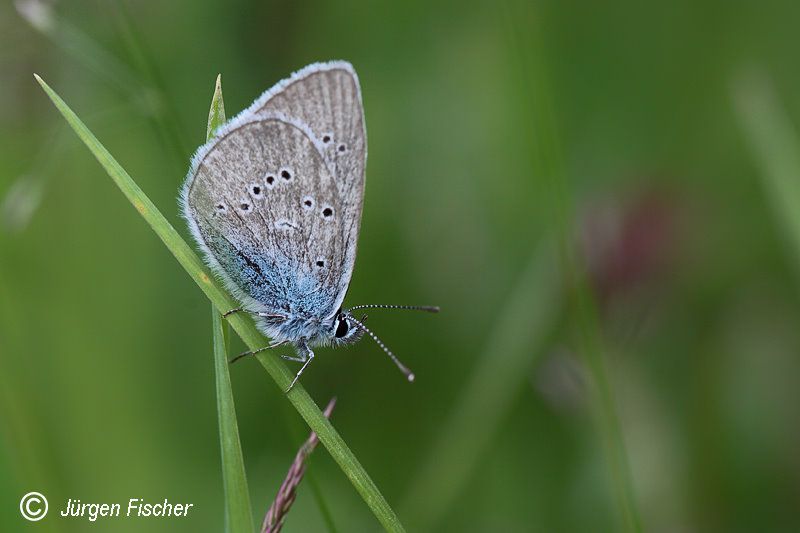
(274, 202)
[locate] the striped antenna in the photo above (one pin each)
(408, 373)
(426, 308)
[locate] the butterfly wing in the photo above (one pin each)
(264, 206)
(327, 98)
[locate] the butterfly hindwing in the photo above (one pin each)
(264, 205)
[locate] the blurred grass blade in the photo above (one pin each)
(166, 120)
(238, 513)
(242, 324)
(776, 146)
(324, 508)
(515, 342)
(41, 16)
(151, 97)
(547, 164)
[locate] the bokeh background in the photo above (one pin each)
(516, 151)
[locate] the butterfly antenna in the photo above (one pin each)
(426, 308)
(408, 373)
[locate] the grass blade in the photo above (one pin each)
(775, 144)
(149, 96)
(166, 120)
(546, 153)
(324, 509)
(216, 113)
(243, 326)
(515, 342)
(238, 513)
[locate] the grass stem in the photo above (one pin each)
(775, 144)
(513, 346)
(238, 511)
(547, 164)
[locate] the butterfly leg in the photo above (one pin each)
(306, 357)
(256, 313)
(232, 311)
(244, 354)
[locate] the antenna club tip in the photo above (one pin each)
(411, 377)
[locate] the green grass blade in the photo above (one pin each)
(528, 45)
(150, 96)
(238, 512)
(166, 120)
(775, 144)
(514, 344)
(216, 113)
(324, 509)
(242, 324)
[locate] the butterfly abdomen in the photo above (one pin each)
(295, 328)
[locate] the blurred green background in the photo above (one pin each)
(658, 135)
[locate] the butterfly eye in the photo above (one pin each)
(326, 139)
(327, 212)
(342, 328)
(342, 148)
(308, 203)
(270, 180)
(285, 174)
(256, 190)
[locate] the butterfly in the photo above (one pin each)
(274, 202)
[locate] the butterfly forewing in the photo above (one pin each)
(266, 206)
(327, 97)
